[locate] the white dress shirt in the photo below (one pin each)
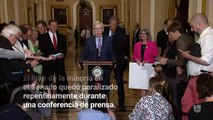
(18, 47)
(51, 37)
(206, 44)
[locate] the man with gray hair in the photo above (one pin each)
(98, 48)
(199, 24)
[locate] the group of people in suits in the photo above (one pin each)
(17, 60)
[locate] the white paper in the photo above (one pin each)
(139, 75)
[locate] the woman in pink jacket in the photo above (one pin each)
(145, 51)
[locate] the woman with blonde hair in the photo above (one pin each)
(33, 47)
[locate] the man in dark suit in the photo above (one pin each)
(136, 32)
(42, 28)
(162, 37)
(118, 42)
(52, 43)
(98, 48)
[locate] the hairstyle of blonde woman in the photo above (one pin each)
(11, 30)
(34, 29)
(158, 84)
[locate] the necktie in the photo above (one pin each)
(54, 41)
(99, 47)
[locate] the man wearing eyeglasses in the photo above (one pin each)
(12, 71)
(98, 48)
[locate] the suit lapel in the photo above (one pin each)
(103, 45)
(94, 44)
(58, 41)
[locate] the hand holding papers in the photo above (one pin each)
(139, 75)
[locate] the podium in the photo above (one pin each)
(98, 63)
(100, 72)
(97, 68)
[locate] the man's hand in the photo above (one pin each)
(28, 53)
(126, 57)
(185, 54)
(163, 61)
(34, 63)
(60, 56)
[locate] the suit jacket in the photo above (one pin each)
(150, 52)
(118, 42)
(162, 40)
(90, 50)
(136, 37)
(183, 43)
(9, 54)
(10, 69)
(47, 48)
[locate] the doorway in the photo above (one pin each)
(85, 19)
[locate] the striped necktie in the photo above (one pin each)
(99, 47)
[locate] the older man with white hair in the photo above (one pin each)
(98, 48)
(12, 71)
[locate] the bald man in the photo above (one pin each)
(199, 24)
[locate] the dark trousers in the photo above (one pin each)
(120, 82)
(76, 42)
(61, 82)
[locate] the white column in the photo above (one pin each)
(122, 10)
(195, 6)
(209, 14)
(152, 18)
(16, 10)
(6, 11)
(74, 14)
(39, 11)
(137, 11)
(45, 10)
(199, 6)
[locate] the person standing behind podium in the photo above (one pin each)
(119, 42)
(51, 43)
(98, 48)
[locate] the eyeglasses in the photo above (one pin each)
(16, 37)
(143, 33)
(98, 28)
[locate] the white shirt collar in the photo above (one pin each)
(205, 31)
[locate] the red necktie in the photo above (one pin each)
(54, 41)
